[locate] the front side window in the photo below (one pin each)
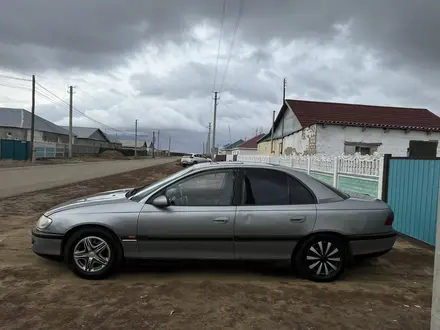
(204, 189)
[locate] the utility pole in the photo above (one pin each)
(203, 148)
(208, 142)
(273, 127)
(284, 89)
(435, 310)
(169, 146)
(33, 121)
(216, 98)
(70, 121)
(135, 137)
(154, 137)
(158, 140)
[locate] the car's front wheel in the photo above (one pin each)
(92, 253)
(321, 258)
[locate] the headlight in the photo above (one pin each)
(43, 222)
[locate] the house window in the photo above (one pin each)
(351, 148)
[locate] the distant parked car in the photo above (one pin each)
(228, 211)
(193, 159)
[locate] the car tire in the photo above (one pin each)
(101, 263)
(194, 163)
(321, 258)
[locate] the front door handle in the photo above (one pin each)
(221, 220)
(297, 219)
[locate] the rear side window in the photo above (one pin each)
(299, 194)
(271, 187)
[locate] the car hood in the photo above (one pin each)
(106, 197)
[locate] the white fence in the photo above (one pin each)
(355, 174)
(49, 150)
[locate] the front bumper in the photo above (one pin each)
(372, 244)
(46, 243)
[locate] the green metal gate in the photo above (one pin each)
(412, 192)
(14, 149)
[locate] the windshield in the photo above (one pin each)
(148, 189)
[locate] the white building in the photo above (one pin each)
(322, 128)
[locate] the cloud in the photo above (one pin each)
(155, 60)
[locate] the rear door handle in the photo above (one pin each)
(297, 219)
(221, 220)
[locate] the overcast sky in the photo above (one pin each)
(155, 60)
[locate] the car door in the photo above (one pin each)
(275, 212)
(199, 158)
(198, 223)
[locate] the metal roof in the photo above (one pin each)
(130, 143)
(87, 132)
(81, 132)
(312, 112)
(21, 118)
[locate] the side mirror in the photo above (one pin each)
(161, 201)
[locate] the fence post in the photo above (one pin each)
(384, 177)
(292, 161)
(309, 164)
(380, 177)
(44, 151)
(335, 172)
(435, 310)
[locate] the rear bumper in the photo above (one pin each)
(375, 244)
(46, 243)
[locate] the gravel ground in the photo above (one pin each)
(391, 292)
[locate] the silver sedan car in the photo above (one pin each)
(225, 211)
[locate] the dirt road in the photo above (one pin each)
(25, 179)
(392, 292)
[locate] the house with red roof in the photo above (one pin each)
(248, 147)
(324, 128)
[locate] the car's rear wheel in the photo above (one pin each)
(93, 253)
(322, 258)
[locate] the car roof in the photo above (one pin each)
(248, 164)
(230, 164)
(322, 193)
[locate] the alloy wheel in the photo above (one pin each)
(323, 258)
(92, 254)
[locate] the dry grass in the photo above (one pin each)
(392, 292)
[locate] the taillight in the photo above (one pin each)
(390, 219)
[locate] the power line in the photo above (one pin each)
(63, 104)
(219, 43)
(16, 86)
(88, 94)
(15, 78)
(82, 113)
(236, 117)
(54, 102)
(231, 47)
